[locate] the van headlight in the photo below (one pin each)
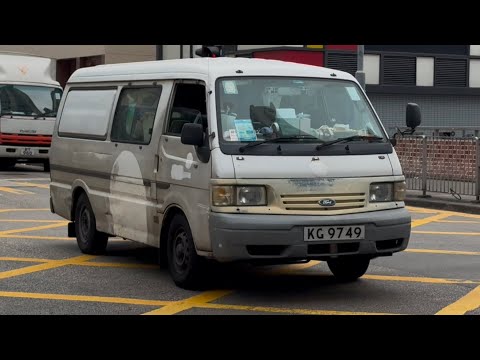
(381, 192)
(385, 192)
(239, 195)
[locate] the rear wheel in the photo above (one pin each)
(349, 268)
(89, 240)
(7, 164)
(185, 266)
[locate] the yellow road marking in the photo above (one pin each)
(92, 264)
(447, 233)
(429, 219)
(458, 221)
(48, 238)
(35, 237)
(15, 191)
(35, 228)
(446, 252)
(101, 299)
(119, 265)
(24, 259)
(47, 266)
(415, 279)
(469, 302)
(32, 221)
(14, 210)
(283, 310)
(182, 305)
(29, 184)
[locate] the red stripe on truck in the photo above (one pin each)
(33, 140)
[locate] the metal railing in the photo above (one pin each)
(441, 164)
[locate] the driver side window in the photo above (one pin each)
(189, 106)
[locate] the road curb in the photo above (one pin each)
(431, 203)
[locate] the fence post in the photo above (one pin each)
(477, 169)
(424, 166)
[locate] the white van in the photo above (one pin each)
(228, 159)
(29, 99)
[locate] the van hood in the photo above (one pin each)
(274, 167)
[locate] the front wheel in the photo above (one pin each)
(89, 240)
(348, 268)
(185, 266)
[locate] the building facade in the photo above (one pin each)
(443, 79)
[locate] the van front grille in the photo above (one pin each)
(312, 202)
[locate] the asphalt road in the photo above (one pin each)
(43, 272)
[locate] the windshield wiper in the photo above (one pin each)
(351, 138)
(280, 139)
(6, 113)
(49, 113)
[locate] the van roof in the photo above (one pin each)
(201, 67)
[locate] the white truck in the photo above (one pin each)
(29, 99)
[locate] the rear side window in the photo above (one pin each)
(135, 115)
(86, 113)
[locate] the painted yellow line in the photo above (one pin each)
(15, 191)
(99, 299)
(35, 237)
(119, 265)
(446, 252)
(466, 215)
(447, 233)
(32, 221)
(283, 310)
(92, 264)
(429, 219)
(425, 280)
(186, 304)
(458, 221)
(35, 228)
(29, 184)
(24, 259)
(14, 210)
(469, 302)
(47, 266)
(414, 279)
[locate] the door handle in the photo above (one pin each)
(157, 163)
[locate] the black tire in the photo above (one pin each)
(7, 164)
(185, 266)
(89, 240)
(46, 166)
(349, 268)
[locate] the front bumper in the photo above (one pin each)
(255, 237)
(17, 152)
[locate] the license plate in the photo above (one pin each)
(334, 233)
(27, 151)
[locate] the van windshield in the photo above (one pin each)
(27, 100)
(299, 110)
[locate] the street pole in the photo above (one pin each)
(360, 74)
(159, 52)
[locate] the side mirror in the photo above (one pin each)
(192, 134)
(413, 116)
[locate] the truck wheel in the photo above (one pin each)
(7, 164)
(89, 240)
(185, 266)
(349, 268)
